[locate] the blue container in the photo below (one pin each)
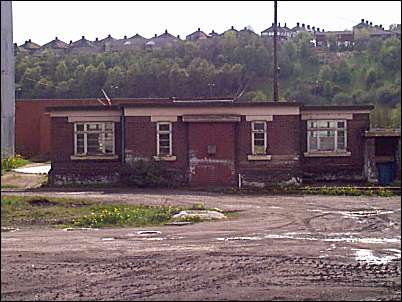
(386, 173)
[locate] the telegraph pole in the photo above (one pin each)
(275, 84)
(7, 82)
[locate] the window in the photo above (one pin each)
(94, 138)
(164, 138)
(259, 137)
(326, 136)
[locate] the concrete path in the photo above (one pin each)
(37, 169)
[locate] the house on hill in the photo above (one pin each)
(135, 42)
(57, 46)
(283, 33)
(106, 44)
(197, 35)
(29, 46)
(83, 46)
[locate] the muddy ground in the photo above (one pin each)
(277, 248)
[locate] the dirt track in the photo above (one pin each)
(279, 248)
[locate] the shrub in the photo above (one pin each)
(13, 162)
(144, 174)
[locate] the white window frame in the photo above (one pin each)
(158, 132)
(335, 129)
(85, 132)
(253, 131)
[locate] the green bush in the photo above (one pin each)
(144, 174)
(13, 162)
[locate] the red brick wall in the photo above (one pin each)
(65, 170)
(212, 169)
(350, 167)
(32, 129)
(283, 140)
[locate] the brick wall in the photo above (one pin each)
(338, 168)
(32, 124)
(64, 170)
(283, 139)
(212, 169)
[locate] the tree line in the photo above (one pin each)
(231, 66)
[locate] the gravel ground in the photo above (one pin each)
(277, 248)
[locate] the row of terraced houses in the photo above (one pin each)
(320, 38)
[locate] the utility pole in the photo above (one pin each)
(7, 82)
(275, 84)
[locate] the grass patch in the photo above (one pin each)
(6, 186)
(13, 162)
(62, 212)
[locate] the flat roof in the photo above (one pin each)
(340, 107)
(382, 133)
(207, 103)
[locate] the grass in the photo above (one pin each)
(62, 212)
(6, 186)
(13, 162)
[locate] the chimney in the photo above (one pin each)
(56, 38)
(125, 37)
(371, 23)
(308, 27)
(303, 25)
(381, 26)
(245, 27)
(82, 37)
(155, 35)
(298, 24)
(285, 24)
(96, 40)
(71, 42)
(178, 36)
(318, 29)
(366, 22)
(165, 31)
(212, 32)
(29, 40)
(232, 27)
(198, 29)
(323, 30)
(362, 20)
(313, 28)
(279, 24)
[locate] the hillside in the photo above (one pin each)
(226, 67)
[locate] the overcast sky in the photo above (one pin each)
(42, 21)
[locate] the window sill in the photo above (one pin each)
(93, 157)
(327, 154)
(259, 157)
(165, 158)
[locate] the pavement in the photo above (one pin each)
(34, 169)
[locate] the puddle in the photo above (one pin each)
(368, 256)
(238, 238)
(148, 232)
(9, 229)
(108, 239)
(307, 236)
(152, 239)
(80, 229)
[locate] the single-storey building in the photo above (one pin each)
(211, 142)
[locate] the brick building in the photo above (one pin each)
(210, 142)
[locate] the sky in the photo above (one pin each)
(42, 21)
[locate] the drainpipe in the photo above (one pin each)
(123, 136)
(240, 181)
